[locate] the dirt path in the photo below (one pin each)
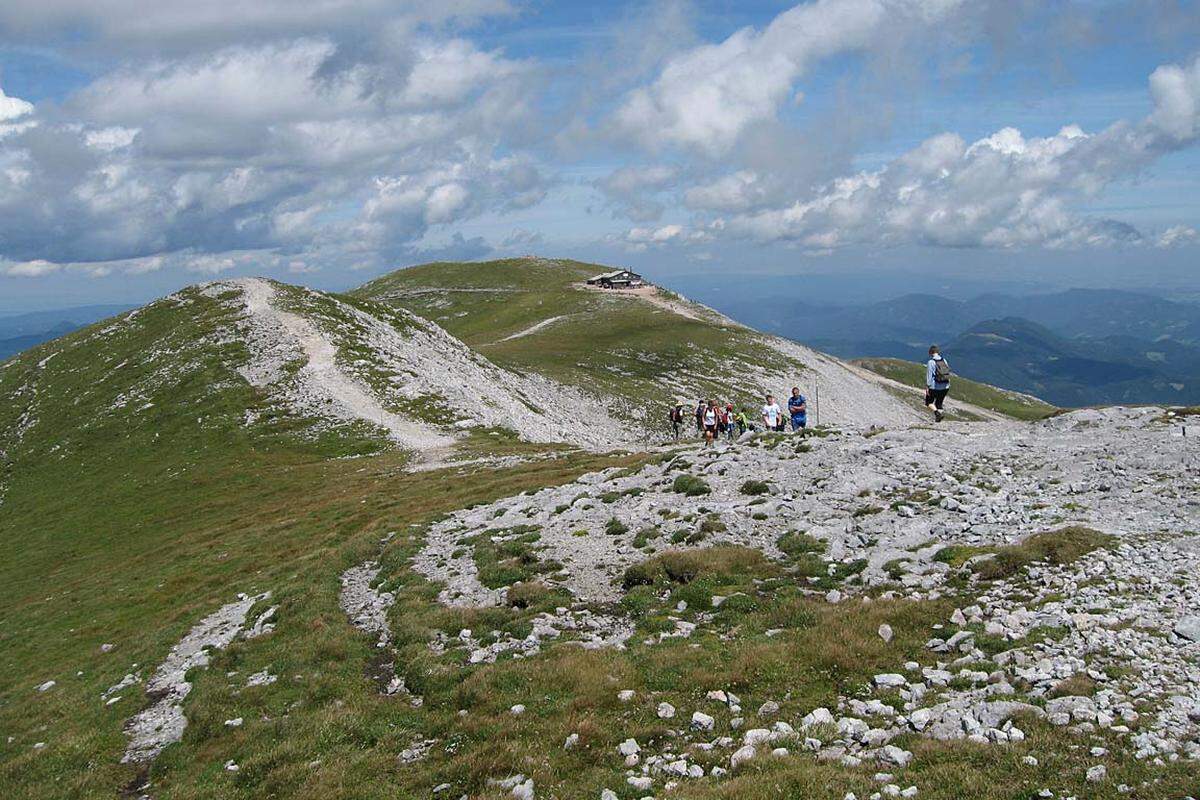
(323, 377)
(533, 328)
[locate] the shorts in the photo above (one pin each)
(936, 397)
(711, 429)
(799, 422)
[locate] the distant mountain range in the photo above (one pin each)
(1071, 348)
(22, 331)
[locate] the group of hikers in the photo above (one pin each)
(714, 419)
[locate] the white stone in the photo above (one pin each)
(742, 755)
(628, 747)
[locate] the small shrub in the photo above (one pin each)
(524, 595)
(690, 485)
(644, 536)
(795, 544)
(684, 566)
(614, 527)
(713, 524)
(755, 487)
(643, 574)
(1078, 684)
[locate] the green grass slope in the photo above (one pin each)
(136, 498)
(1002, 401)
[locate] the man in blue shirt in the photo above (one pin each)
(937, 382)
(798, 408)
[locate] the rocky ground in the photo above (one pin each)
(1106, 643)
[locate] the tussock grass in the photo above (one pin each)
(690, 485)
(753, 487)
(684, 566)
(1062, 546)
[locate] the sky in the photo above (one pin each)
(146, 146)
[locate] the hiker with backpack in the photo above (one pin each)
(730, 422)
(701, 406)
(798, 410)
(937, 382)
(677, 419)
(742, 422)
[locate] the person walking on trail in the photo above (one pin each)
(677, 419)
(937, 382)
(742, 421)
(772, 415)
(700, 408)
(730, 422)
(710, 418)
(798, 410)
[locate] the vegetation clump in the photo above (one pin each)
(690, 485)
(1058, 547)
(614, 527)
(685, 566)
(753, 487)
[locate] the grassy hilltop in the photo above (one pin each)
(620, 345)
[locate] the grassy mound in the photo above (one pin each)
(1054, 547)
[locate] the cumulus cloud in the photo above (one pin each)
(1177, 236)
(31, 269)
(1005, 190)
(286, 145)
(706, 97)
(12, 108)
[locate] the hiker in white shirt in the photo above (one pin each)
(772, 414)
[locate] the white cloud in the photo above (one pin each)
(12, 108)
(1176, 93)
(288, 143)
(705, 98)
(1177, 236)
(737, 191)
(110, 139)
(31, 269)
(1004, 190)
